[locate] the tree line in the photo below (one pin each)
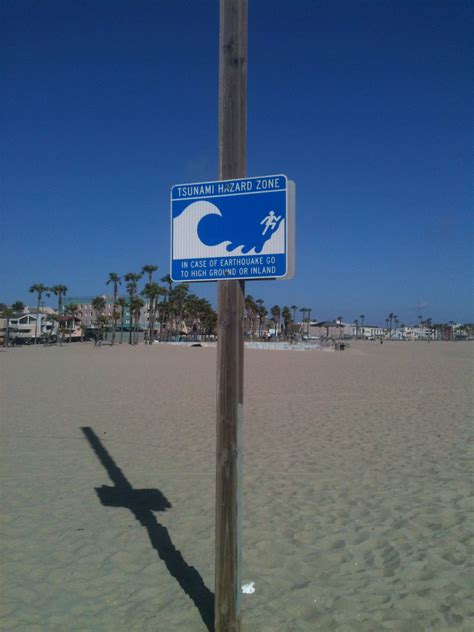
(172, 311)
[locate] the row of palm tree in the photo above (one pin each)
(256, 316)
(172, 307)
(175, 309)
(175, 306)
(40, 289)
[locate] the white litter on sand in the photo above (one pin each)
(248, 589)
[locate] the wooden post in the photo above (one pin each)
(230, 313)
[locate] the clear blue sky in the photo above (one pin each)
(367, 105)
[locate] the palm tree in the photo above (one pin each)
(389, 326)
(60, 292)
(428, 324)
(251, 310)
(136, 305)
(262, 317)
(115, 279)
(102, 323)
(132, 280)
(55, 318)
(207, 317)
(164, 311)
(356, 323)
(177, 298)
(276, 314)
(286, 313)
(98, 304)
(261, 312)
(152, 291)
(122, 302)
(308, 309)
(420, 318)
(192, 312)
(165, 305)
(168, 280)
(148, 269)
(115, 318)
(40, 289)
(303, 310)
(294, 308)
(46, 334)
(72, 310)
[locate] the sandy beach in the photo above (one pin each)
(358, 496)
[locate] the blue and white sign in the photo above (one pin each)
(232, 229)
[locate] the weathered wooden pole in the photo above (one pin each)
(230, 313)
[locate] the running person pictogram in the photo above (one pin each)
(270, 222)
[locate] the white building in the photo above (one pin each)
(30, 324)
(368, 332)
(421, 332)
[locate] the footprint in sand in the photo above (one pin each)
(391, 560)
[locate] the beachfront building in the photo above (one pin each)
(396, 334)
(329, 329)
(420, 332)
(448, 331)
(460, 332)
(88, 315)
(454, 331)
(411, 333)
(368, 332)
(85, 311)
(23, 327)
(70, 327)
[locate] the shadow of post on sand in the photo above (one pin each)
(142, 503)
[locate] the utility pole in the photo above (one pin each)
(230, 314)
